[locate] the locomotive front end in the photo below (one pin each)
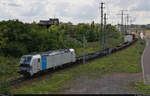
(25, 65)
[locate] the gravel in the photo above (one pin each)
(108, 84)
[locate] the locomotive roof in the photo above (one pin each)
(54, 52)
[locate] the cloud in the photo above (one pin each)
(13, 5)
(142, 5)
(72, 10)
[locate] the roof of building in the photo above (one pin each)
(49, 22)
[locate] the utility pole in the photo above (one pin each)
(127, 23)
(105, 24)
(139, 55)
(101, 33)
(122, 21)
(131, 20)
(127, 19)
(130, 23)
(122, 29)
(125, 26)
(84, 49)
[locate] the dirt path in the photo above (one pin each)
(108, 84)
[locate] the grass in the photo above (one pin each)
(123, 61)
(46, 86)
(8, 69)
(141, 87)
(148, 31)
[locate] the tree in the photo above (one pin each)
(2, 40)
(17, 38)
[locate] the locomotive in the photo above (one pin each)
(36, 62)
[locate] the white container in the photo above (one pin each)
(128, 38)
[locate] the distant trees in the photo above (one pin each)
(112, 32)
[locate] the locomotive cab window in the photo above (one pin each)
(39, 60)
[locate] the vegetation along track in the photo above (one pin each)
(21, 80)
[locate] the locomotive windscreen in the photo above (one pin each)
(26, 60)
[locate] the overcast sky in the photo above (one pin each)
(75, 11)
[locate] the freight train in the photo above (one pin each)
(38, 62)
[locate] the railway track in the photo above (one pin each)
(16, 80)
(98, 54)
